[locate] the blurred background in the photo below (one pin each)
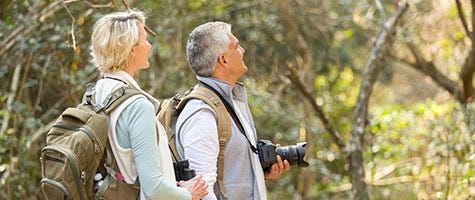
(395, 101)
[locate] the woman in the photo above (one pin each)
(119, 49)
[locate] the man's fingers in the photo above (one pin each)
(286, 165)
(275, 168)
(279, 162)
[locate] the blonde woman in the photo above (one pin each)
(119, 49)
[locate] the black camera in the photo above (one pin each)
(268, 152)
(183, 171)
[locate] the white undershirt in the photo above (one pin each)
(199, 137)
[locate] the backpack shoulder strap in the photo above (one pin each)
(223, 122)
(116, 98)
(111, 101)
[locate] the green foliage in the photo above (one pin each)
(427, 142)
(417, 145)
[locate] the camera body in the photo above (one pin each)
(268, 152)
(183, 171)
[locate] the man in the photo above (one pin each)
(216, 57)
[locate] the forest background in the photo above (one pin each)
(382, 90)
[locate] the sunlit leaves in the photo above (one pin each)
(195, 4)
(343, 35)
(427, 132)
(453, 13)
(447, 47)
(418, 136)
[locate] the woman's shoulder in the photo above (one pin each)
(140, 104)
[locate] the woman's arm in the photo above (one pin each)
(136, 129)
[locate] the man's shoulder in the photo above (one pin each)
(196, 105)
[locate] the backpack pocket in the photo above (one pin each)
(61, 175)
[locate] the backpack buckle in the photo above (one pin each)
(110, 99)
(90, 94)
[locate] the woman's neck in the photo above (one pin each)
(130, 70)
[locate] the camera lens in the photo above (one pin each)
(294, 154)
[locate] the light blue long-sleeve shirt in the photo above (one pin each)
(136, 130)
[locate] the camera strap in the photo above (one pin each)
(233, 115)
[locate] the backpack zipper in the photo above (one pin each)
(47, 157)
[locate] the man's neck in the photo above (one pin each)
(222, 77)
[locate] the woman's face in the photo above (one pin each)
(141, 51)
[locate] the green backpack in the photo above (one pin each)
(75, 146)
(171, 108)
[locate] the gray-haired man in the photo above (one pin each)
(216, 58)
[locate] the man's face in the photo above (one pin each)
(235, 57)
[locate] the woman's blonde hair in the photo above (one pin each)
(112, 39)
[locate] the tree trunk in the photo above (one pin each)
(355, 147)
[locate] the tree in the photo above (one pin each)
(354, 149)
(319, 71)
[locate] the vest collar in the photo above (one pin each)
(238, 93)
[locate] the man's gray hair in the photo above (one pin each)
(205, 44)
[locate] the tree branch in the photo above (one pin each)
(11, 97)
(110, 4)
(4, 4)
(468, 69)
(380, 8)
(145, 26)
(335, 135)
(305, 59)
(462, 18)
(67, 95)
(298, 42)
(23, 29)
(466, 75)
(39, 95)
(73, 22)
(428, 68)
(355, 148)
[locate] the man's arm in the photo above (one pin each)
(198, 134)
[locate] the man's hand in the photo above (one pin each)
(277, 168)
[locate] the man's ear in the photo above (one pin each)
(222, 60)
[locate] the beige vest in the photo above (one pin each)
(124, 157)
